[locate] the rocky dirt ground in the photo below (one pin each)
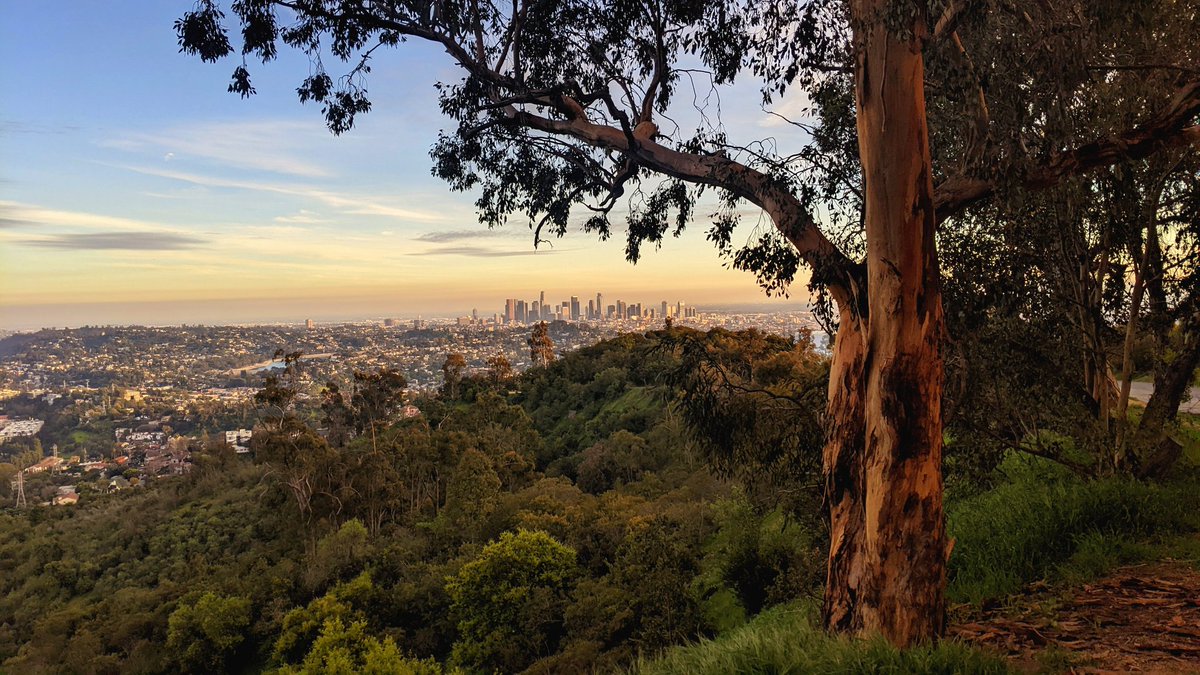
(1140, 618)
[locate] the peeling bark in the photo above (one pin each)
(888, 554)
(844, 481)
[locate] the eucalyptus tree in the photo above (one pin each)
(541, 346)
(565, 107)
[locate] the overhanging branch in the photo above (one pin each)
(831, 267)
(1171, 127)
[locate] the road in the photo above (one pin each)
(1141, 391)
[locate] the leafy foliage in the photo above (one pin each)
(204, 634)
(510, 601)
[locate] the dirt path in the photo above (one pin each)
(1141, 618)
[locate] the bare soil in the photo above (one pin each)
(1140, 618)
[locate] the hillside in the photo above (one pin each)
(644, 494)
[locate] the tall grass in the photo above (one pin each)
(1025, 530)
(788, 639)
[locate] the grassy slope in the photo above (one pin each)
(788, 639)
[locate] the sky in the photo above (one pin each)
(135, 189)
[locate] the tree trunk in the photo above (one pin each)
(887, 569)
(1171, 382)
(1122, 456)
(844, 483)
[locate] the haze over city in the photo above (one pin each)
(136, 190)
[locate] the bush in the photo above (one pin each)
(754, 561)
(510, 600)
(204, 633)
(348, 649)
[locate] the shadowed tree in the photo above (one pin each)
(1046, 333)
(569, 102)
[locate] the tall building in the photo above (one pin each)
(574, 307)
(308, 323)
(621, 309)
(389, 323)
(535, 312)
(599, 306)
(522, 316)
(591, 315)
(475, 316)
(510, 310)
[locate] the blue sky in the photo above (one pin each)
(133, 188)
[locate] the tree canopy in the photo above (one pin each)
(571, 102)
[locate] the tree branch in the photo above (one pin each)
(830, 265)
(947, 23)
(1173, 126)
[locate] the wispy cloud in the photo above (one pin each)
(129, 241)
(482, 252)
(264, 145)
(16, 214)
(347, 203)
(302, 217)
(795, 107)
(447, 236)
(21, 127)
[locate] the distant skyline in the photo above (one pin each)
(297, 310)
(134, 189)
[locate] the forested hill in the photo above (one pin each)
(646, 492)
(577, 484)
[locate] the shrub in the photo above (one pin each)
(205, 633)
(509, 601)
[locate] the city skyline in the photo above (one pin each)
(298, 311)
(520, 311)
(144, 193)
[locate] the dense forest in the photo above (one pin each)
(583, 516)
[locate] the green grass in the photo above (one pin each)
(789, 640)
(1063, 529)
(1189, 436)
